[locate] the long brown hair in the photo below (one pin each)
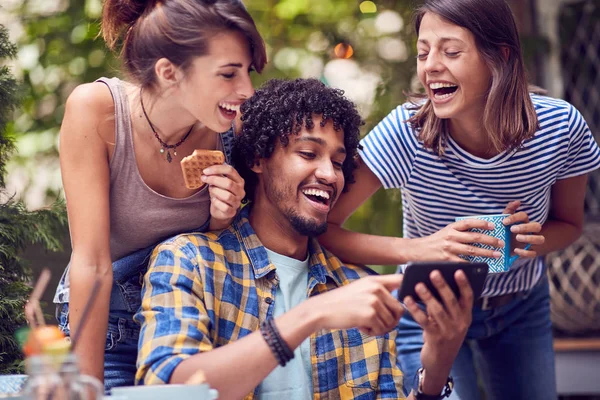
(509, 117)
(179, 30)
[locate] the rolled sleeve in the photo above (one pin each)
(390, 149)
(584, 154)
(173, 317)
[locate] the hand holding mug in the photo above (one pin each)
(523, 231)
(456, 242)
(507, 226)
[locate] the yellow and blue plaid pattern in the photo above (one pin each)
(203, 291)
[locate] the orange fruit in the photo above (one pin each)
(48, 333)
(31, 348)
(42, 337)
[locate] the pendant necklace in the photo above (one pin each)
(163, 146)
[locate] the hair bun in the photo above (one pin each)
(119, 15)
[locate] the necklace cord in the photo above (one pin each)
(162, 143)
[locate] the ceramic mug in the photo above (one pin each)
(172, 391)
(500, 231)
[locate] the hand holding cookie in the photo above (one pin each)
(226, 188)
(193, 165)
(225, 185)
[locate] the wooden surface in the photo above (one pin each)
(571, 344)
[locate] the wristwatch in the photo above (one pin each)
(418, 386)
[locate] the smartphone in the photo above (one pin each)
(420, 271)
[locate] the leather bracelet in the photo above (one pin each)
(287, 352)
(267, 335)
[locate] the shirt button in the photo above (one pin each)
(269, 300)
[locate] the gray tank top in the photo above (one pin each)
(139, 216)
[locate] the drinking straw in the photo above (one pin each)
(29, 315)
(85, 314)
(33, 306)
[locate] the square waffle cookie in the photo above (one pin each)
(193, 165)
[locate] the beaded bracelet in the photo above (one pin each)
(280, 346)
(287, 352)
(282, 352)
(266, 334)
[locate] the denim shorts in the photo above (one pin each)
(120, 350)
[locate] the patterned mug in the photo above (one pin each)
(500, 231)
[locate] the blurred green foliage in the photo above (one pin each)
(19, 227)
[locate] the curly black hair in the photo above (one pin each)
(282, 107)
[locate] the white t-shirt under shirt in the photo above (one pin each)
(294, 381)
(436, 189)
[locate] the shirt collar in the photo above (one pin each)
(320, 267)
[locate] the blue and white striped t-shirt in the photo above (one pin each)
(436, 189)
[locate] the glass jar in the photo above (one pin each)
(58, 378)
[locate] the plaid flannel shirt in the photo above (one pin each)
(203, 291)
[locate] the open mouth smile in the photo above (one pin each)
(319, 199)
(228, 110)
(442, 90)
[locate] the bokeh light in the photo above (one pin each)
(392, 49)
(388, 22)
(366, 28)
(368, 7)
(311, 66)
(287, 58)
(343, 50)
(317, 42)
(359, 84)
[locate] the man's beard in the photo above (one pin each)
(305, 226)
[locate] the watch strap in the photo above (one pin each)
(419, 395)
(422, 396)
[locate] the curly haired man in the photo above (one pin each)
(260, 306)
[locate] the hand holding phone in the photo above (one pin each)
(445, 322)
(420, 272)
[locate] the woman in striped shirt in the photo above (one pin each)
(477, 142)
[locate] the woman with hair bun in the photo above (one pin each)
(187, 64)
(477, 141)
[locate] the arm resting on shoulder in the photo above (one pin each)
(361, 248)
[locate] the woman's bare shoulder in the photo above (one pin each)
(89, 108)
(95, 98)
